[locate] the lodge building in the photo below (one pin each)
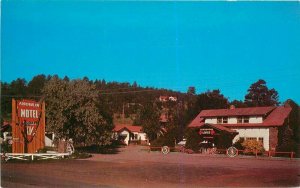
(257, 123)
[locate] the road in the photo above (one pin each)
(135, 167)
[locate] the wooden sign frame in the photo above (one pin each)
(20, 141)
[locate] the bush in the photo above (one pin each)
(253, 146)
(238, 145)
(6, 147)
(192, 140)
(45, 149)
(165, 140)
(289, 146)
(80, 155)
(106, 149)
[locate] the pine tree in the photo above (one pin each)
(260, 95)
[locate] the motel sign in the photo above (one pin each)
(28, 126)
(29, 115)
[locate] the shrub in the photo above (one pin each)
(239, 145)
(80, 155)
(106, 149)
(289, 146)
(192, 140)
(223, 141)
(6, 147)
(45, 149)
(165, 140)
(251, 146)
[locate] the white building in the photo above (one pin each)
(49, 139)
(130, 134)
(254, 123)
(167, 98)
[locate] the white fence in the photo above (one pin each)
(33, 156)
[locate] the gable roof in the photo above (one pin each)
(278, 116)
(274, 116)
(237, 111)
(197, 122)
(130, 128)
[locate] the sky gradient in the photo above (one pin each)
(173, 45)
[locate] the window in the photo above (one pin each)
(240, 119)
(225, 119)
(219, 120)
(261, 139)
(246, 119)
(251, 138)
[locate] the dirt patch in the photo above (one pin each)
(134, 166)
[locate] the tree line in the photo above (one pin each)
(83, 109)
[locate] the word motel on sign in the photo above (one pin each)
(25, 113)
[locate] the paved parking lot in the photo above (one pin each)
(135, 167)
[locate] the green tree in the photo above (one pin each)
(19, 87)
(238, 104)
(192, 139)
(208, 100)
(36, 85)
(288, 136)
(260, 95)
(66, 78)
(5, 100)
(286, 142)
(294, 119)
(72, 112)
(134, 85)
(149, 120)
(191, 90)
(16, 89)
(176, 123)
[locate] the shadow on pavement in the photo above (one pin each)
(114, 148)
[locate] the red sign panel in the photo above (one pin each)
(206, 132)
(29, 115)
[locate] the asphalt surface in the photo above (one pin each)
(135, 167)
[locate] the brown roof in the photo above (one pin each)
(197, 122)
(278, 116)
(237, 111)
(131, 128)
(275, 116)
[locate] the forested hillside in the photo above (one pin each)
(94, 106)
(111, 95)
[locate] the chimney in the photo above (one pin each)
(232, 107)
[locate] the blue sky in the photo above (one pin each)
(174, 45)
